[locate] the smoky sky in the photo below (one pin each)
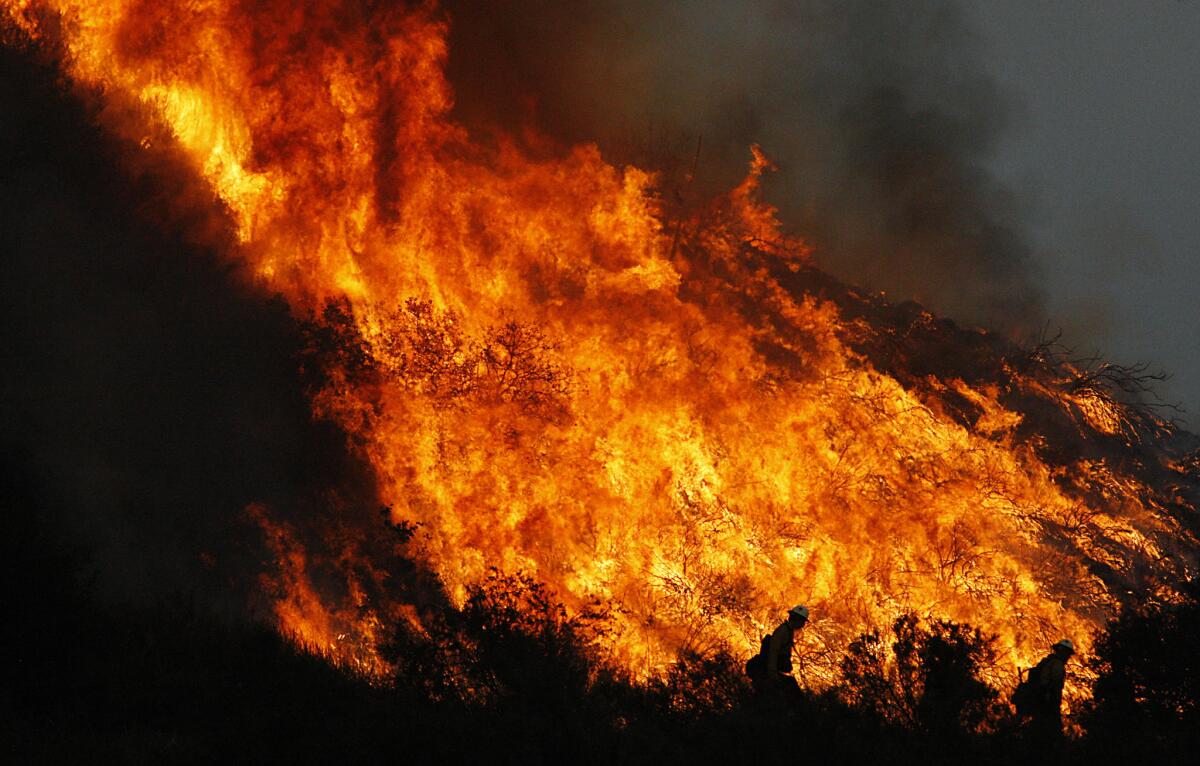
(149, 393)
(1105, 138)
(880, 114)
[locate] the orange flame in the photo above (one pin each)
(563, 391)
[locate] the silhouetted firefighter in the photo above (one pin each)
(771, 668)
(1039, 695)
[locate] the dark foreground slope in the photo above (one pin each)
(86, 681)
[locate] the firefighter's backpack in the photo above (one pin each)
(756, 666)
(1025, 695)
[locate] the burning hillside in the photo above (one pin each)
(551, 370)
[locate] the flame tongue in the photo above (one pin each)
(550, 382)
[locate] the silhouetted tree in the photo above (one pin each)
(517, 363)
(333, 345)
(428, 350)
(1146, 696)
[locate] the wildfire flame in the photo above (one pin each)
(556, 380)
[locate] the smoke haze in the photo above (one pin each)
(879, 113)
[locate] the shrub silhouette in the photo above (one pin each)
(430, 353)
(928, 679)
(697, 685)
(526, 644)
(1146, 695)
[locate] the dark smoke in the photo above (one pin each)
(880, 113)
(149, 393)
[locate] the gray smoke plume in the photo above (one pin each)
(880, 114)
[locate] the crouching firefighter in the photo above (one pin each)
(1039, 695)
(771, 669)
